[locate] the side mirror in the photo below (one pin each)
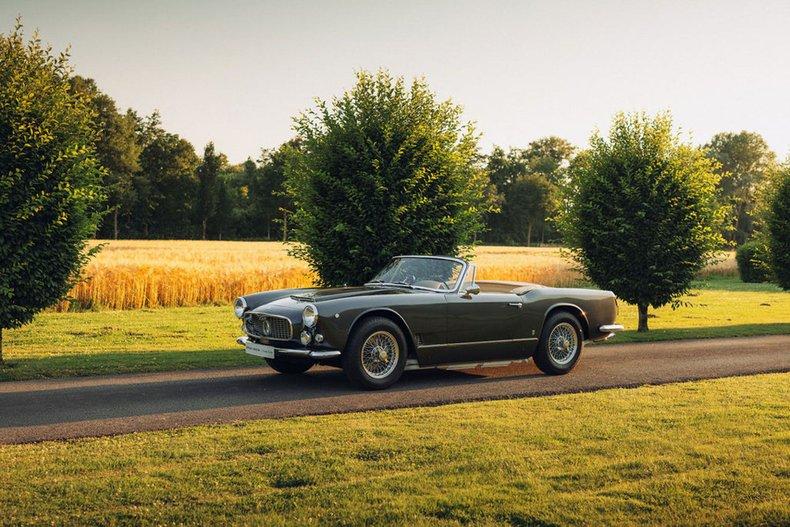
(468, 292)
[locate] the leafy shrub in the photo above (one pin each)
(49, 179)
(641, 214)
(384, 169)
(754, 264)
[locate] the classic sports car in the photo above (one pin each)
(423, 312)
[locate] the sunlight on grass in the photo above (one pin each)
(702, 453)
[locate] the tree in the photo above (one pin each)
(385, 169)
(166, 185)
(641, 214)
(49, 179)
(528, 203)
(779, 229)
(207, 187)
(550, 156)
(544, 160)
(117, 149)
(268, 194)
(744, 162)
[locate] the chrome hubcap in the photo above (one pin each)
(380, 354)
(563, 343)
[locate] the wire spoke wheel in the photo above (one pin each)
(380, 353)
(563, 343)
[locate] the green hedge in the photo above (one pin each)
(754, 262)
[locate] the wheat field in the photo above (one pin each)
(135, 274)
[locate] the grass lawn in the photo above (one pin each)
(702, 453)
(87, 343)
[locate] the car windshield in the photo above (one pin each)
(431, 273)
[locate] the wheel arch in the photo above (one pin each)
(392, 315)
(574, 310)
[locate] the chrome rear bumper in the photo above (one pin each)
(610, 328)
(297, 353)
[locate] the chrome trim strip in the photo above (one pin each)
(471, 343)
(302, 353)
(609, 328)
(412, 365)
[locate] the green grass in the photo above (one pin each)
(720, 307)
(89, 343)
(702, 453)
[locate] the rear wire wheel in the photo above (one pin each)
(560, 345)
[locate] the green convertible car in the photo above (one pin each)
(423, 312)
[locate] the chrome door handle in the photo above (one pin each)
(515, 304)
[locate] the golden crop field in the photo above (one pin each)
(133, 274)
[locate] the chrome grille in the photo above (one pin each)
(268, 326)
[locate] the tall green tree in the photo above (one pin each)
(208, 188)
(744, 162)
(541, 167)
(49, 179)
(384, 169)
(779, 228)
(529, 202)
(166, 185)
(117, 148)
(271, 201)
(550, 156)
(641, 213)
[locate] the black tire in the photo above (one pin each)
(544, 359)
(352, 355)
(290, 366)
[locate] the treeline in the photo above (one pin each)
(158, 186)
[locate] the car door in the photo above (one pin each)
(480, 327)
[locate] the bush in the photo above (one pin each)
(641, 213)
(49, 179)
(754, 263)
(384, 169)
(779, 231)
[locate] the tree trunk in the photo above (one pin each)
(115, 223)
(542, 233)
(642, 317)
(204, 228)
(529, 234)
(268, 228)
(285, 226)
(1, 346)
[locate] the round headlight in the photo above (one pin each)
(239, 307)
(309, 315)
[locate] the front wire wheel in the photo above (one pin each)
(375, 355)
(380, 354)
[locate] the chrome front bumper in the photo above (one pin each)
(296, 353)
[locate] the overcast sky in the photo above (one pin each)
(236, 72)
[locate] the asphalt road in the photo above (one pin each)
(94, 406)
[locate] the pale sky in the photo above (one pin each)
(236, 72)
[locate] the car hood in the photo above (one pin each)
(335, 293)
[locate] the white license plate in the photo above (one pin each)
(261, 350)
